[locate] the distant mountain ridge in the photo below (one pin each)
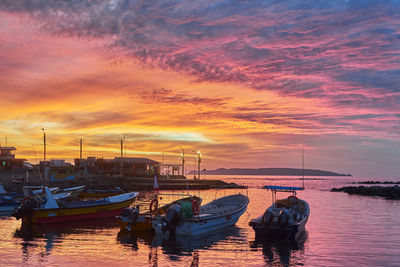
(269, 171)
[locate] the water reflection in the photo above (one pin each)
(281, 251)
(52, 235)
(176, 247)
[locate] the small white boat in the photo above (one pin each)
(285, 217)
(218, 214)
(75, 191)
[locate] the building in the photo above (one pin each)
(8, 160)
(136, 167)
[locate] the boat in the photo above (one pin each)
(7, 205)
(218, 214)
(285, 217)
(100, 193)
(33, 210)
(133, 219)
(10, 201)
(75, 191)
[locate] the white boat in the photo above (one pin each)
(218, 214)
(75, 191)
(285, 217)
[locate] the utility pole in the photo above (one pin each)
(122, 157)
(80, 151)
(44, 145)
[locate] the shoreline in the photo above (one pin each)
(126, 183)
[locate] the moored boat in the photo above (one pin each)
(7, 205)
(218, 214)
(51, 211)
(285, 217)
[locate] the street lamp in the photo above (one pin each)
(183, 162)
(122, 155)
(44, 145)
(198, 163)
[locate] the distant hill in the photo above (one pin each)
(269, 171)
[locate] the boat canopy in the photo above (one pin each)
(277, 188)
(282, 188)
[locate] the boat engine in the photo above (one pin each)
(283, 218)
(171, 219)
(268, 217)
(25, 209)
(131, 213)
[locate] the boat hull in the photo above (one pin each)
(43, 216)
(204, 223)
(6, 209)
(142, 223)
(290, 231)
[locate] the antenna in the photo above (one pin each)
(302, 161)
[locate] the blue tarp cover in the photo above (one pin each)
(287, 188)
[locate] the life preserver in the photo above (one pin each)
(153, 205)
(25, 199)
(195, 207)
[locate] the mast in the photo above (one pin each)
(302, 161)
(122, 155)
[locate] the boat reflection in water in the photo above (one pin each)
(178, 246)
(33, 235)
(282, 251)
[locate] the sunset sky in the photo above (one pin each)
(248, 83)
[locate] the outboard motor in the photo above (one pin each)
(25, 209)
(283, 218)
(132, 214)
(268, 217)
(171, 219)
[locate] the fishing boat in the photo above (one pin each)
(285, 217)
(133, 219)
(50, 211)
(218, 214)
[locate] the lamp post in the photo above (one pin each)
(44, 145)
(122, 155)
(198, 164)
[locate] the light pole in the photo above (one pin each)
(44, 145)
(122, 155)
(198, 164)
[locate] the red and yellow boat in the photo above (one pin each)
(33, 211)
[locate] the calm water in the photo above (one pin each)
(342, 230)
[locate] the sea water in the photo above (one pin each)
(342, 230)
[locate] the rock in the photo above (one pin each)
(388, 192)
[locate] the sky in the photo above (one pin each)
(247, 83)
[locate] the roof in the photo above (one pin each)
(137, 160)
(7, 148)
